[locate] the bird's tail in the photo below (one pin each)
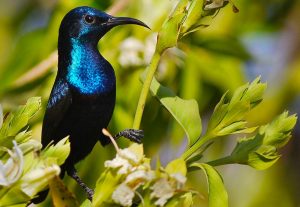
(41, 196)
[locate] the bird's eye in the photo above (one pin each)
(89, 19)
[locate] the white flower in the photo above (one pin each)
(133, 52)
(144, 166)
(126, 160)
(163, 190)
(119, 162)
(130, 156)
(11, 171)
(130, 50)
(37, 179)
(179, 178)
(166, 187)
(123, 195)
(132, 44)
(139, 177)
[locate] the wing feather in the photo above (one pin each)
(58, 105)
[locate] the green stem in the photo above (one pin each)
(195, 147)
(145, 90)
(222, 161)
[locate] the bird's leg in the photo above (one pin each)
(73, 173)
(134, 135)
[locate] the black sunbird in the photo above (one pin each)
(83, 96)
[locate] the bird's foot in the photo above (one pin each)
(90, 193)
(73, 173)
(134, 135)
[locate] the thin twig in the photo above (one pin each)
(45, 65)
(37, 71)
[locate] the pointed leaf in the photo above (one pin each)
(59, 152)
(186, 112)
(217, 195)
(13, 196)
(17, 120)
(23, 114)
(86, 203)
(193, 16)
(260, 162)
(176, 166)
(105, 186)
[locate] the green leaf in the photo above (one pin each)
(278, 132)
(244, 147)
(232, 128)
(147, 201)
(23, 136)
(217, 194)
(1, 116)
(180, 7)
(181, 200)
(23, 114)
(261, 151)
(176, 166)
(187, 200)
(186, 112)
(168, 35)
(86, 203)
(228, 117)
(13, 196)
(105, 186)
(220, 112)
(58, 152)
(260, 161)
(60, 194)
(17, 120)
(193, 16)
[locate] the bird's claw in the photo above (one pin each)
(134, 135)
(90, 193)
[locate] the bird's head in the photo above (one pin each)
(89, 24)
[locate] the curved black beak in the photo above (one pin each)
(115, 21)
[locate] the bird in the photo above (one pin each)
(83, 96)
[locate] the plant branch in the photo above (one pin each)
(37, 71)
(222, 161)
(194, 148)
(150, 71)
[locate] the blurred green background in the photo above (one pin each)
(262, 39)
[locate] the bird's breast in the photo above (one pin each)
(90, 79)
(90, 82)
(88, 72)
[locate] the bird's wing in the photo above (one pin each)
(58, 105)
